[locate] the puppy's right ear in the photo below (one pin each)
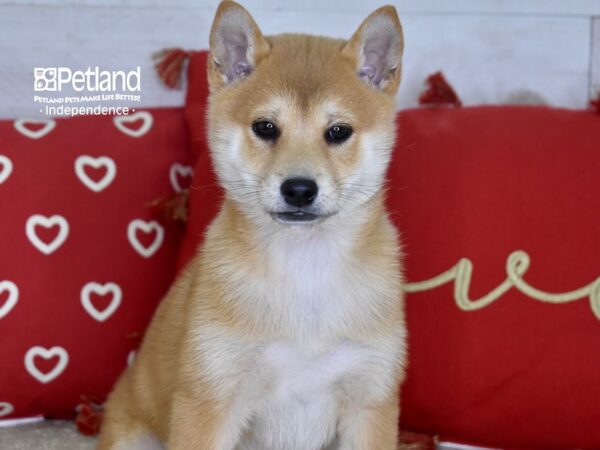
(236, 45)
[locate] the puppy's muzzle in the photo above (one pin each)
(299, 194)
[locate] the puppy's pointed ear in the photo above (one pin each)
(236, 45)
(376, 50)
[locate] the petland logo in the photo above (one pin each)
(54, 79)
(63, 91)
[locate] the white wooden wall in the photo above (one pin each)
(490, 50)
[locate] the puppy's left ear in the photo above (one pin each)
(376, 50)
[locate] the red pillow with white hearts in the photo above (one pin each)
(83, 264)
(500, 215)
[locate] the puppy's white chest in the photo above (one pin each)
(300, 410)
(300, 375)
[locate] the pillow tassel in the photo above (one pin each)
(409, 440)
(89, 415)
(595, 103)
(169, 65)
(439, 92)
(171, 210)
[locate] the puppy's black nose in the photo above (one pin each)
(299, 191)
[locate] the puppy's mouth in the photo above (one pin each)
(297, 217)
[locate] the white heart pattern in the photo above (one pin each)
(7, 168)
(45, 353)
(21, 126)
(147, 120)
(47, 222)
(6, 409)
(84, 161)
(101, 289)
(146, 227)
(179, 170)
(13, 297)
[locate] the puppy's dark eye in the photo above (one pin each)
(265, 130)
(338, 134)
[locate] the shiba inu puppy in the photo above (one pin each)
(286, 332)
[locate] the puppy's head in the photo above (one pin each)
(301, 127)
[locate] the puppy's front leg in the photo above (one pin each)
(198, 424)
(372, 427)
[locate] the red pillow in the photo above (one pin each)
(487, 184)
(82, 265)
(484, 184)
(205, 195)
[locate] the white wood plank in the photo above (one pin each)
(485, 57)
(113, 39)
(595, 55)
(539, 7)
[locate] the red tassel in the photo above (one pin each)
(169, 65)
(439, 92)
(89, 415)
(414, 441)
(595, 104)
(171, 210)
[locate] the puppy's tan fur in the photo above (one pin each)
(281, 336)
